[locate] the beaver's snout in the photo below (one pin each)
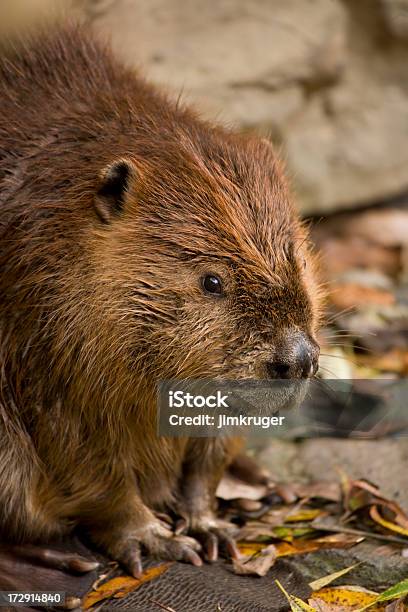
(296, 356)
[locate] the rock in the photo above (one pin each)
(325, 79)
(312, 74)
(396, 17)
(376, 571)
(380, 461)
(340, 147)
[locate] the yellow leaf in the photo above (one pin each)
(122, 585)
(375, 515)
(300, 547)
(296, 604)
(326, 580)
(305, 515)
(350, 597)
(250, 548)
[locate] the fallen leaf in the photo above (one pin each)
(326, 580)
(289, 533)
(351, 295)
(375, 515)
(321, 606)
(122, 585)
(394, 360)
(396, 606)
(325, 489)
(307, 514)
(286, 492)
(260, 532)
(350, 597)
(250, 548)
(277, 516)
(341, 255)
(296, 604)
(232, 488)
(257, 564)
(301, 547)
(398, 590)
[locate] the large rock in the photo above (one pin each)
(325, 79)
(380, 461)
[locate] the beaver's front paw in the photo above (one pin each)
(212, 533)
(157, 540)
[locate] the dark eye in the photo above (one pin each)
(212, 284)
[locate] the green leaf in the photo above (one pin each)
(398, 590)
(395, 592)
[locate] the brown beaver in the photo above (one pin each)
(137, 242)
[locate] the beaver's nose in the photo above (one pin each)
(296, 358)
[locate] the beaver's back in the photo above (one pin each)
(68, 107)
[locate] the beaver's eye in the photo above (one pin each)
(212, 284)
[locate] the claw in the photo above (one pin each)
(131, 559)
(157, 540)
(57, 559)
(72, 603)
(214, 534)
(181, 527)
(211, 547)
(192, 557)
(232, 548)
(136, 568)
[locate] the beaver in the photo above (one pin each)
(138, 242)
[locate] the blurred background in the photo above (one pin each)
(327, 82)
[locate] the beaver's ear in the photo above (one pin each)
(111, 193)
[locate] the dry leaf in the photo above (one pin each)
(257, 564)
(232, 488)
(321, 606)
(306, 514)
(396, 606)
(325, 489)
(395, 360)
(296, 604)
(122, 585)
(349, 597)
(249, 505)
(326, 580)
(375, 515)
(351, 295)
(300, 547)
(277, 516)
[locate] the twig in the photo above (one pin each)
(357, 532)
(162, 606)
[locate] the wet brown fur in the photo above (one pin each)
(92, 313)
